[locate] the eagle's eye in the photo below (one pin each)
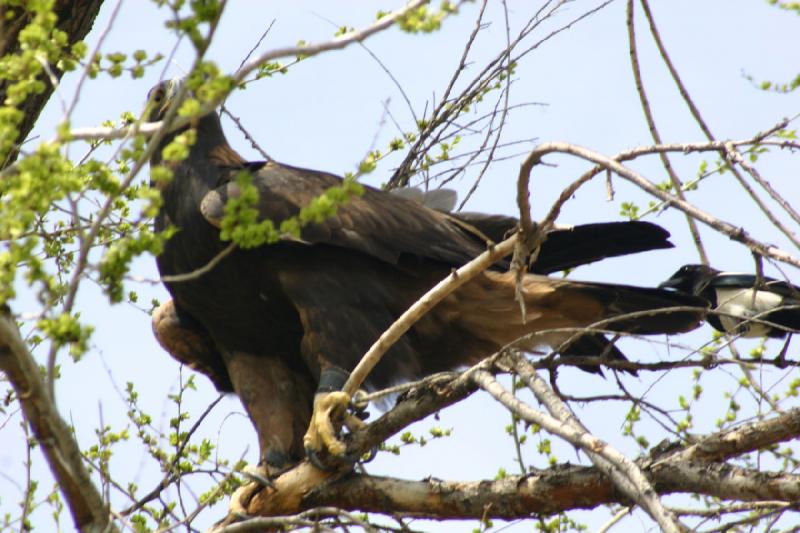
(158, 95)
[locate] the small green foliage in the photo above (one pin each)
(787, 5)
(66, 329)
(116, 261)
(301, 44)
(794, 389)
(115, 64)
(759, 350)
(207, 84)
(55, 502)
(241, 222)
(191, 22)
(783, 87)
(160, 175)
(369, 163)
(176, 454)
(270, 68)
(629, 210)
(446, 148)
(423, 19)
(408, 439)
(560, 523)
(396, 144)
(178, 149)
(701, 171)
(343, 30)
(665, 186)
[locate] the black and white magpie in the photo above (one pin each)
(745, 306)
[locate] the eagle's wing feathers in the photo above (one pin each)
(376, 223)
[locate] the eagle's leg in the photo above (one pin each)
(278, 401)
(330, 407)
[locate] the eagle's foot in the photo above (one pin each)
(329, 407)
(332, 409)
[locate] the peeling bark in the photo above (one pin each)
(543, 493)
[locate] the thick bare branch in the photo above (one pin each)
(558, 489)
(744, 439)
(674, 468)
(58, 444)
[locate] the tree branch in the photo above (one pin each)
(743, 439)
(625, 475)
(89, 511)
(673, 467)
(735, 233)
(654, 133)
(555, 490)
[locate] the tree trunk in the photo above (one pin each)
(75, 17)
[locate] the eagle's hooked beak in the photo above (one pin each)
(161, 97)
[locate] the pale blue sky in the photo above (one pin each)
(328, 112)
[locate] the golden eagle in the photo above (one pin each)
(277, 323)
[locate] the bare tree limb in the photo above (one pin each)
(744, 439)
(89, 511)
(674, 467)
(547, 492)
(730, 154)
(625, 475)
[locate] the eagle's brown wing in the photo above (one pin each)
(376, 223)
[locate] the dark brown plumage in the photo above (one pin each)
(278, 315)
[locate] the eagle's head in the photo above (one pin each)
(161, 97)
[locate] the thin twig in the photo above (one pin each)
(735, 233)
(196, 273)
(651, 123)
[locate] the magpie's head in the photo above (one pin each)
(691, 279)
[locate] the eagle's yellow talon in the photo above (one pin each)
(321, 433)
